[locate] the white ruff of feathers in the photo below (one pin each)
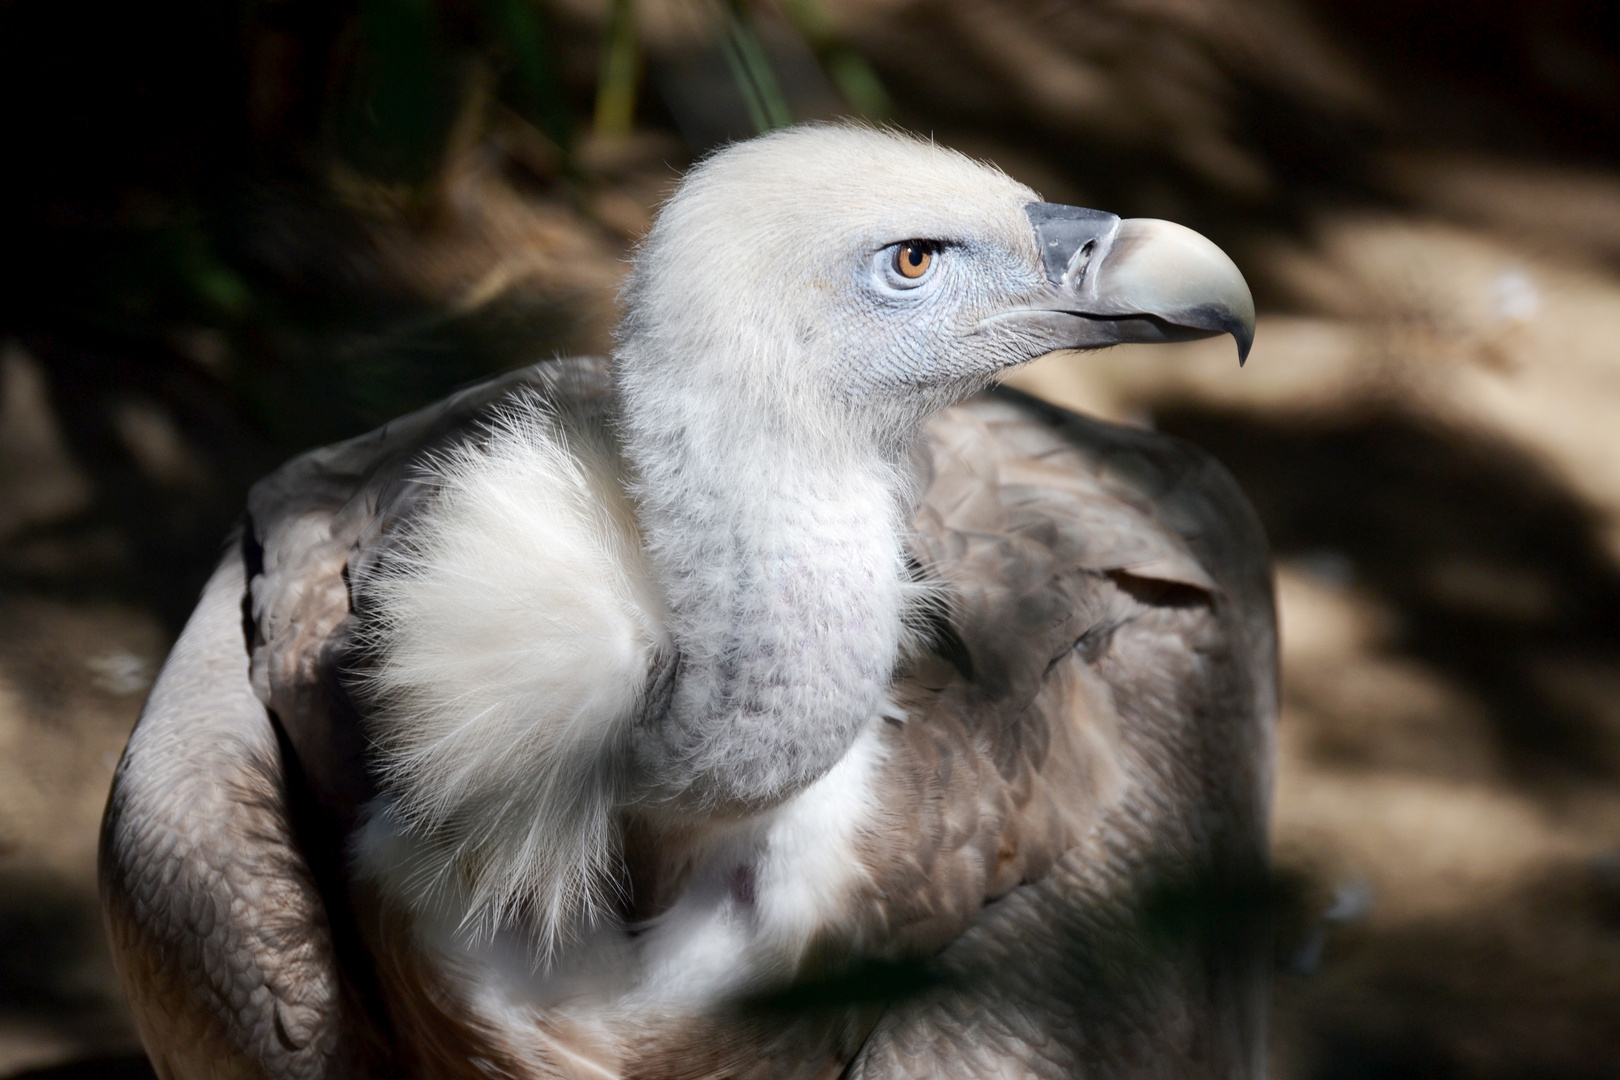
(513, 630)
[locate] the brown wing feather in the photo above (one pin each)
(1061, 880)
(219, 931)
(1102, 783)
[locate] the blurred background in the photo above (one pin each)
(239, 229)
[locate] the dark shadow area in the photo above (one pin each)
(1495, 571)
(1517, 988)
(150, 539)
(1523, 78)
(177, 239)
(1492, 567)
(123, 1067)
(144, 539)
(55, 971)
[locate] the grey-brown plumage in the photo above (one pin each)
(1111, 590)
(573, 726)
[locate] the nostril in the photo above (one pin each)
(1075, 272)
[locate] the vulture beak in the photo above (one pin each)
(1111, 281)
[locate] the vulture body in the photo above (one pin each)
(768, 701)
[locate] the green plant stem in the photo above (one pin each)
(616, 85)
(847, 69)
(752, 71)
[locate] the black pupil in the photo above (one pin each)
(914, 256)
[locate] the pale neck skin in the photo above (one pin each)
(778, 544)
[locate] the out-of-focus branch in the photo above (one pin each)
(752, 72)
(616, 86)
(848, 69)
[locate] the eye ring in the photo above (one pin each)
(914, 258)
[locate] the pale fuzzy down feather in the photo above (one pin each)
(513, 631)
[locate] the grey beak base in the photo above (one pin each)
(1067, 235)
(1114, 281)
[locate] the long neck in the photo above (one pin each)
(781, 559)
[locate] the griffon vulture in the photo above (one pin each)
(772, 700)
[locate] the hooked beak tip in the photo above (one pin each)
(1140, 279)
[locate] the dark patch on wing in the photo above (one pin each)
(867, 982)
(1160, 592)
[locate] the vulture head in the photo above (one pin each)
(849, 283)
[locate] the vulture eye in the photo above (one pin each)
(913, 258)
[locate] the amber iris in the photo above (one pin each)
(912, 260)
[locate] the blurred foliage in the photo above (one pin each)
(218, 166)
(751, 70)
(850, 72)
